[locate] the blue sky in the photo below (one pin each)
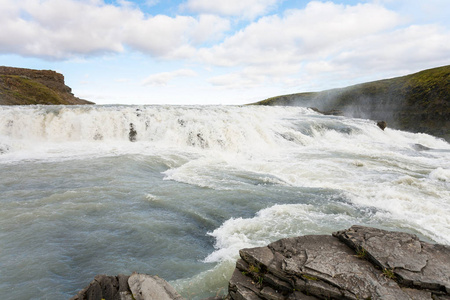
(221, 51)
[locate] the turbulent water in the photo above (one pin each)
(177, 191)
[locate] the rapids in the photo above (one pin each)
(177, 190)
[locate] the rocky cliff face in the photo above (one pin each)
(357, 263)
(20, 86)
(418, 102)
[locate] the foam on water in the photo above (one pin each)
(215, 179)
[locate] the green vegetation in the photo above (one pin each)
(418, 102)
(253, 269)
(361, 253)
(389, 273)
(15, 89)
(256, 273)
(308, 277)
(19, 86)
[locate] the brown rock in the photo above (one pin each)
(382, 124)
(19, 86)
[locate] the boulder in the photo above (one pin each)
(134, 287)
(106, 287)
(382, 124)
(413, 262)
(146, 287)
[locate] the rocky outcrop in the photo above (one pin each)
(419, 102)
(106, 287)
(19, 86)
(134, 287)
(357, 263)
(413, 263)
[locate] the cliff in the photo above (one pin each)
(418, 102)
(20, 86)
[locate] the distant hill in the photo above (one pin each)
(20, 86)
(418, 102)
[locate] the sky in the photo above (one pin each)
(215, 52)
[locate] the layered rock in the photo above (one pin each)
(358, 263)
(19, 86)
(413, 263)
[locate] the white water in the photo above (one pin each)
(198, 184)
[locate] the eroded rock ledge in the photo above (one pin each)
(357, 263)
(19, 86)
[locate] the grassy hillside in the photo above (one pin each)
(17, 90)
(418, 102)
(25, 86)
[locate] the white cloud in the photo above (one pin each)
(61, 29)
(413, 46)
(160, 35)
(245, 8)
(313, 32)
(173, 37)
(326, 37)
(163, 78)
(324, 40)
(209, 27)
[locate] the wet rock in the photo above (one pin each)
(358, 263)
(106, 287)
(146, 287)
(382, 124)
(319, 266)
(132, 134)
(413, 262)
(134, 287)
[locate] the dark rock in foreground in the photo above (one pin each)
(134, 287)
(414, 263)
(106, 287)
(357, 263)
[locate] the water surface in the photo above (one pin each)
(78, 198)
